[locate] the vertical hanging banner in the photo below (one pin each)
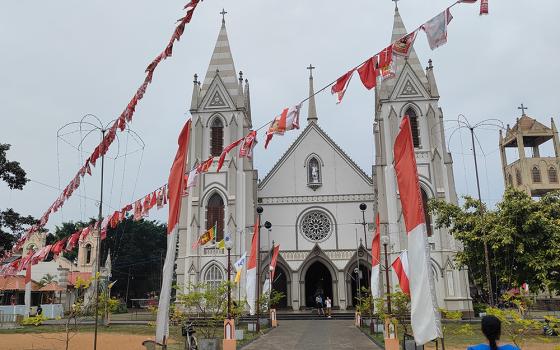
(400, 266)
(424, 312)
(251, 286)
(375, 260)
(176, 188)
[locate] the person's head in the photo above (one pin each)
(492, 329)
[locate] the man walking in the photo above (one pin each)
(328, 304)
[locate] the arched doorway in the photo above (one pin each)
(280, 284)
(353, 280)
(318, 280)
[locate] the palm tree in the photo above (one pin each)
(48, 278)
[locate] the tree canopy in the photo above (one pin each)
(523, 236)
(12, 224)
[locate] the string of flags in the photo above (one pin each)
(119, 124)
(372, 71)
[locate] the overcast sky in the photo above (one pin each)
(64, 59)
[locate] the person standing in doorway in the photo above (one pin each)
(328, 304)
(319, 304)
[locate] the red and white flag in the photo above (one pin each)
(339, 88)
(274, 260)
(251, 286)
(249, 142)
(424, 311)
(58, 247)
(72, 241)
(436, 29)
(176, 187)
(386, 64)
(368, 73)
(400, 266)
(375, 260)
(287, 120)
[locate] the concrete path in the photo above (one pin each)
(313, 335)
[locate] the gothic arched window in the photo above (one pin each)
(215, 215)
(552, 175)
(414, 126)
(216, 137)
(536, 174)
(427, 216)
(213, 276)
(88, 253)
(518, 177)
(313, 171)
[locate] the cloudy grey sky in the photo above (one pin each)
(63, 59)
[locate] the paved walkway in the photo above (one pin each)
(313, 335)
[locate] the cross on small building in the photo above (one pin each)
(396, 4)
(223, 13)
(310, 70)
(522, 108)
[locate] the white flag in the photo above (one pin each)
(436, 29)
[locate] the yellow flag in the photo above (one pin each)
(237, 276)
(221, 244)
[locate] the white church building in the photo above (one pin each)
(313, 193)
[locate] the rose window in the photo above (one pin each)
(316, 226)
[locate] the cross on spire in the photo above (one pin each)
(522, 108)
(396, 5)
(223, 13)
(310, 70)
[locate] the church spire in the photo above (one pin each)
(399, 30)
(221, 64)
(312, 109)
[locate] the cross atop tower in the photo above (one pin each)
(522, 108)
(223, 13)
(310, 71)
(396, 4)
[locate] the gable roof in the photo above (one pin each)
(329, 140)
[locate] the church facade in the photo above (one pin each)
(314, 194)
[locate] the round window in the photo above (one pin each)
(316, 226)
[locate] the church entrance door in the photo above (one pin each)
(318, 281)
(280, 284)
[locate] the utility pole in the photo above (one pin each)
(98, 248)
(484, 241)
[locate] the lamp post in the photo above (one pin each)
(385, 241)
(363, 208)
(357, 269)
(259, 213)
(229, 245)
(268, 225)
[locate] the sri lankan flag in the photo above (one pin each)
(206, 237)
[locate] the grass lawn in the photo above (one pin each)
(115, 336)
(456, 337)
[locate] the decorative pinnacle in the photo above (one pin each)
(223, 13)
(195, 78)
(240, 76)
(522, 108)
(396, 5)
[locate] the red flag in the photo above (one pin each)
(153, 200)
(386, 64)
(59, 246)
(176, 178)
(368, 73)
(400, 265)
(225, 152)
(273, 261)
(204, 166)
(72, 241)
(375, 260)
(251, 286)
(483, 7)
(339, 88)
(403, 45)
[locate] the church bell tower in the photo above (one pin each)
(413, 92)
(221, 114)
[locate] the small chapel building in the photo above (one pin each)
(312, 195)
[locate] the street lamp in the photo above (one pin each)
(385, 241)
(363, 208)
(228, 242)
(259, 213)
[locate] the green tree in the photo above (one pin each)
(12, 224)
(523, 238)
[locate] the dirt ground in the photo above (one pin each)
(55, 341)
